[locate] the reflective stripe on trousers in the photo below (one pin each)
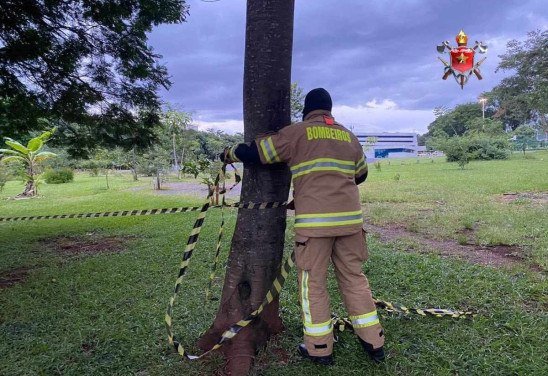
(365, 320)
(315, 330)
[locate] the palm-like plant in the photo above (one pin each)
(30, 156)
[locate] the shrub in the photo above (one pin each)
(474, 147)
(11, 171)
(191, 168)
(463, 159)
(90, 165)
(486, 148)
(58, 176)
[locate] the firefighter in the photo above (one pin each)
(327, 164)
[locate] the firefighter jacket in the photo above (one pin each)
(325, 160)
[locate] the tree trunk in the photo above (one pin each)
(175, 164)
(134, 165)
(157, 182)
(182, 160)
(257, 244)
(30, 187)
(30, 190)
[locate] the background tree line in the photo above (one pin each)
(177, 147)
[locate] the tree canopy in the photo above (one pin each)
(523, 97)
(455, 122)
(85, 64)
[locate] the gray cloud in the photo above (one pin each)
(358, 50)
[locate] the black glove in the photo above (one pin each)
(224, 154)
(291, 205)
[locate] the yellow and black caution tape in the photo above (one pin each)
(274, 291)
(234, 329)
(187, 254)
(217, 252)
(140, 212)
(437, 312)
(121, 213)
(342, 323)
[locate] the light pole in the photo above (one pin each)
(483, 100)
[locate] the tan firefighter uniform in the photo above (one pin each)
(325, 159)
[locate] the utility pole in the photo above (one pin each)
(482, 101)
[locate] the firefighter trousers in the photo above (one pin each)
(312, 258)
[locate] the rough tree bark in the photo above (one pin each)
(257, 244)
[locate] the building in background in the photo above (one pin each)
(390, 145)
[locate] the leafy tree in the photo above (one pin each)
(103, 158)
(297, 103)
(208, 145)
(176, 123)
(195, 168)
(524, 135)
(487, 126)
(155, 162)
(59, 59)
(31, 156)
(440, 111)
(523, 97)
(455, 122)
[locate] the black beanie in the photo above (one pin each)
(317, 99)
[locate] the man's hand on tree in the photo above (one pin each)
(224, 155)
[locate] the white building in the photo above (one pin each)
(390, 145)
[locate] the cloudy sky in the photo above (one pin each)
(378, 58)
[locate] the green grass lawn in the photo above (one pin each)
(101, 311)
(440, 199)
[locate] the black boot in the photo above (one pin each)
(377, 355)
(323, 360)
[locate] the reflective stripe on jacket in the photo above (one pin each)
(325, 158)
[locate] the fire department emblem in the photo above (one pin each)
(462, 65)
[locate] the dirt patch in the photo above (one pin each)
(88, 348)
(496, 255)
(12, 277)
(539, 198)
(274, 354)
(89, 244)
